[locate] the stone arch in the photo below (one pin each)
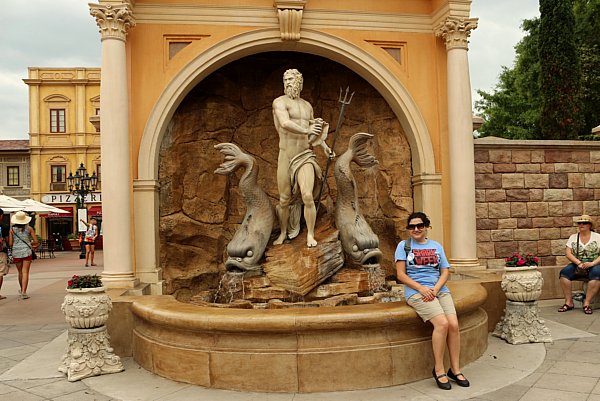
(314, 42)
(426, 181)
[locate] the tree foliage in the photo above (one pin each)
(514, 108)
(561, 116)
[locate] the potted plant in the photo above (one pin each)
(86, 308)
(518, 260)
(522, 281)
(522, 284)
(86, 304)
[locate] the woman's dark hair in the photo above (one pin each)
(419, 215)
(21, 226)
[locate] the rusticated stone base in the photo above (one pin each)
(521, 324)
(89, 354)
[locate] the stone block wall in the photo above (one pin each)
(528, 194)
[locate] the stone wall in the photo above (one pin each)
(528, 194)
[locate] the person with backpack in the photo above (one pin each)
(422, 266)
(23, 241)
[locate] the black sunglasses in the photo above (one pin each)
(420, 226)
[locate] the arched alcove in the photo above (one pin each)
(200, 211)
(425, 180)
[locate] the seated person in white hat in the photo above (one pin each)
(583, 251)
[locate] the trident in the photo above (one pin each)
(343, 102)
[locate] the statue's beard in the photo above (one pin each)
(292, 91)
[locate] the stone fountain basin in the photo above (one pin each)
(290, 350)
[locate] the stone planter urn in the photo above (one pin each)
(86, 308)
(521, 323)
(89, 352)
(522, 284)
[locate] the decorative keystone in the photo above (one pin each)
(289, 13)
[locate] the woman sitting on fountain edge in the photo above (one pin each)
(422, 267)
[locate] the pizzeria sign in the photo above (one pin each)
(68, 198)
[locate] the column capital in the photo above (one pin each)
(113, 20)
(456, 31)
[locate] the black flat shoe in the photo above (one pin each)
(443, 386)
(461, 382)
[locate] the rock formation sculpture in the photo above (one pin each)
(248, 244)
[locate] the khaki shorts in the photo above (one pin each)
(441, 305)
(3, 264)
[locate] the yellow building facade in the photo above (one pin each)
(64, 109)
(155, 52)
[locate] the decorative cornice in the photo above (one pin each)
(113, 20)
(265, 17)
(456, 31)
(289, 13)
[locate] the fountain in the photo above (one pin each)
(310, 316)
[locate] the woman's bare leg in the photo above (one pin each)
(438, 342)
(20, 270)
(24, 280)
(453, 342)
(567, 286)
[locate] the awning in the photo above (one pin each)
(95, 211)
(68, 215)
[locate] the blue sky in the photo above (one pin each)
(61, 33)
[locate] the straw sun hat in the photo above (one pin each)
(583, 219)
(20, 218)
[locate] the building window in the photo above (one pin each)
(12, 176)
(59, 179)
(57, 120)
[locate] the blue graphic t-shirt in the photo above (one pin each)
(423, 264)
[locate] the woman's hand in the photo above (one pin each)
(427, 293)
(586, 265)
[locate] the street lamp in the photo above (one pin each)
(81, 184)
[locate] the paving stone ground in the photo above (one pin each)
(33, 339)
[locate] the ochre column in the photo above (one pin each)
(114, 21)
(463, 255)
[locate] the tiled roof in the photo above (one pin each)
(14, 144)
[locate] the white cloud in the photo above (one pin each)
(492, 43)
(40, 33)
